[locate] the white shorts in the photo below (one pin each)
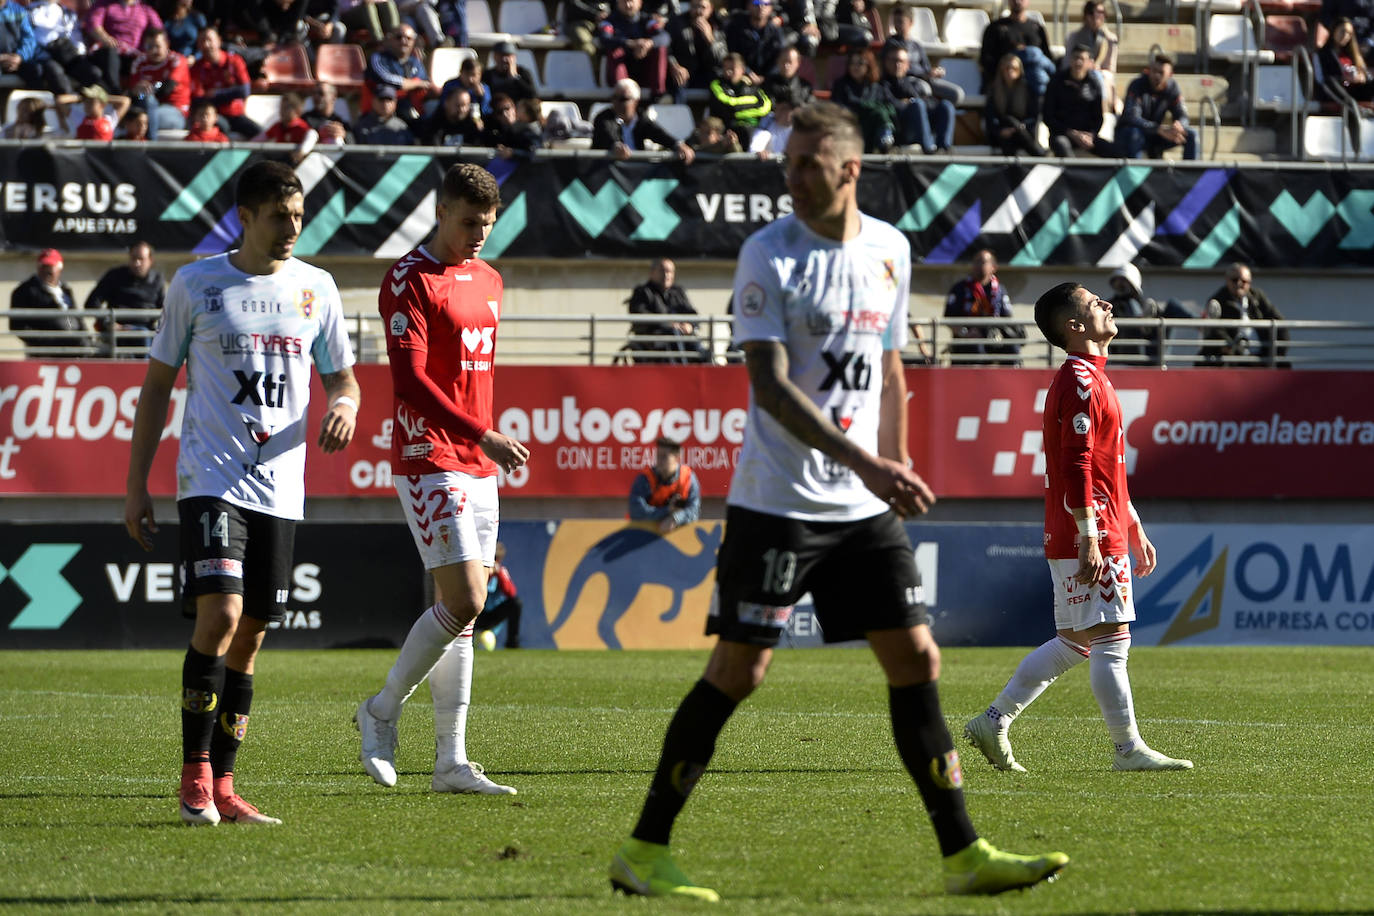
(1108, 600)
(452, 516)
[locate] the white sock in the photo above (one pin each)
(450, 683)
(1112, 687)
(1037, 671)
(426, 642)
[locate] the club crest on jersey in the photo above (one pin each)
(306, 305)
(214, 299)
(398, 325)
(751, 300)
(1081, 424)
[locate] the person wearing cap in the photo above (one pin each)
(635, 43)
(507, 77)
(103, 112)
(397, 65)
(1129, 301)
(380, 126)
(45, 290)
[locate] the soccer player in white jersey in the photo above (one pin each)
(816, 505)
(1091, 530)
(441, 305)
(247, 324)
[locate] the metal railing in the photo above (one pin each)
(607, 340)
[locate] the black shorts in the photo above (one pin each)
(861, 575)
(229, 550)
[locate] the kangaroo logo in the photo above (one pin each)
(626, 566)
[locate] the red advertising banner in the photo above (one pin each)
(975, 432)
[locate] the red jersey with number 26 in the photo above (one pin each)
(1085, 458)
(449, 313)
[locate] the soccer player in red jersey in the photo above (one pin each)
(441, 306)
(1091, 530)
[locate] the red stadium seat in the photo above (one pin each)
(342, 65)
(287, 69)
(1282, 34)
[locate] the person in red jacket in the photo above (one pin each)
(161, 79)
(503, 605)
(1091, 532)
(221, 76)
(103, 112)
(204, 124)
(667, 493)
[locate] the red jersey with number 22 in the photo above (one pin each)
(1085, 458)
(450, 313)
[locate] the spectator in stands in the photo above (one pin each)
(843, 24)
(1255, 344)
(397, 65)
(861, 91)
(667, 493)
(756, 38)
(453, 20)
(61, 53)
(1361, 16)
(1149, 99)
(711, 136)
(737, 99)
(1016, 33)
(1073, 108)
(134, 126)
(524, 135)
(980, 295)
(380, 126)
(582, 21)
(30, 120)
(696, 47)
(160, 81)
(135, 285)
(276, 23)
(116, 30)
(770, 137)
(323, 115)
(1101, 42)
(1342, 65)
(918, 63)
(1129, 301)
(469, 79)
(221, 77)
(45, 290)
(1011, 115)
(292, 128)
(203, 127)
(622, 131)
(455, 122)
(921, 118)
(322, 24)
(103, 112)
(19, 67)
(377, 18)
(786, 76)
(672, 342)
(183, 27)
(635, 45)
(508, 77)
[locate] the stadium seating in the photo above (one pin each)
(528, 21)
(1232, 38)
(524, 57)
(1326, 137)
(964, 30)
(287, 69)
(264, 109)
(481, 28)
(342, 65)
(965, 74)
(444, 63)
(677, 120)
(1284, 33)
(50, 117)
(1274, 90)
(572, 74)
(925, 30)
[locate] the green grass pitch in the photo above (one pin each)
(805, 808)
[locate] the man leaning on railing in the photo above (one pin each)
(55, 334)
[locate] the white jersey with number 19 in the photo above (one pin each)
(835, 307)
(247, 341)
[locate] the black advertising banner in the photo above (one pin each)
(84, 586)
(1029, 212)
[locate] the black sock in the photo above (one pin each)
(687, 749)
(202, 683)
(232, 721)
(926, 748)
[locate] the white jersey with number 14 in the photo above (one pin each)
(835, 307)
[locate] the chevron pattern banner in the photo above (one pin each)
(1030, 213)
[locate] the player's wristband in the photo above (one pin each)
(344, 399)
(1087, 527)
